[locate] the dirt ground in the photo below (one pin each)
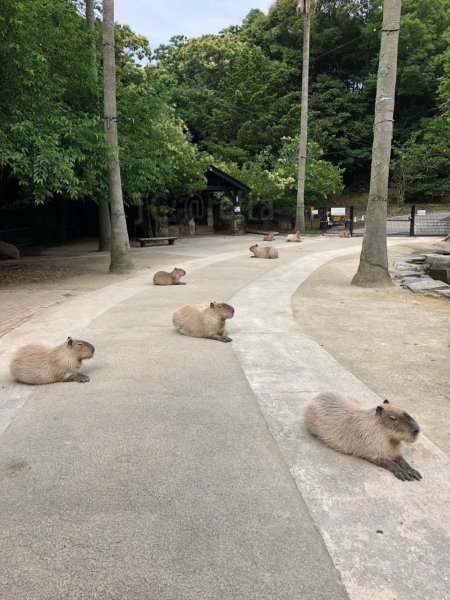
(395, 341)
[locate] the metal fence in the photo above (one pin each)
(420, 221)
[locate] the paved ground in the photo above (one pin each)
(182, 470)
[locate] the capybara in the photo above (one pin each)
(38, 364)
(173, 278)
(269, 237)
(344, 233)
(9, 250)
(204, 321)
(374, 434)
(293, 237)
(263, 251)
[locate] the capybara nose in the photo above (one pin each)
(416, 431)
(93, 349)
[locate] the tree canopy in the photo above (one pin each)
(232, 99)
(51, 124)
(239, 91)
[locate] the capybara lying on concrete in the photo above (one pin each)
(374, 434)
(344, 233)
(9, 250)
(173, 278)
(199, 320)
(38, 364)
(269, 237)
(263, 251)
(293, 237)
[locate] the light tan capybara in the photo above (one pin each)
(9, 250)
(173, 278)
(37, 364)
(374, 434)
(344, 233)
(263, 251)
(293, 237)
(204, 321)
(269, 237)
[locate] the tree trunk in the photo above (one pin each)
(104, 225)
(300, 212)
(90, 21)
(373, 265)
(104, 217)
(120, 244)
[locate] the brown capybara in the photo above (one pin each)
(374, 434)
(199, 320)
(293, 237)
(344, 233)
(263, 251)
(173, 278)
(269, 237)
(38, 364)
(9, 250)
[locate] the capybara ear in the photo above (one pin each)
(379, 410)
(386, 401)
(212, 305)
(69, 342)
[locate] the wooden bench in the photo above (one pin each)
(262, 231)
(144, 241)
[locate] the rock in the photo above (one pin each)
(420, 258)
(438, 260)
(426, 284)
(405, 266)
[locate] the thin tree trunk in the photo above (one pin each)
(104, 217)
(373, 265)
(120, 244)
(90, 21)
(303, 147)
(104, 225)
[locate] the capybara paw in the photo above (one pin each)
(402, 475)
(226, 339)
(414, 474)
(80, 378)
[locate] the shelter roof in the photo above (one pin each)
(219, 181)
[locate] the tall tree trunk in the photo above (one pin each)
(104, 225)
(120, 244)
(104, 218)
(90, 21)
(373, 265)
(306, 7)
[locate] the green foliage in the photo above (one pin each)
(421, 165)
(45, 129)
(231, 99)
(51, 132)
(239, 91)
(156, 155)
(274, 179)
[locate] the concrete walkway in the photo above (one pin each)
(182, 470)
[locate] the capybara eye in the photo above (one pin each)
(393, 418)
